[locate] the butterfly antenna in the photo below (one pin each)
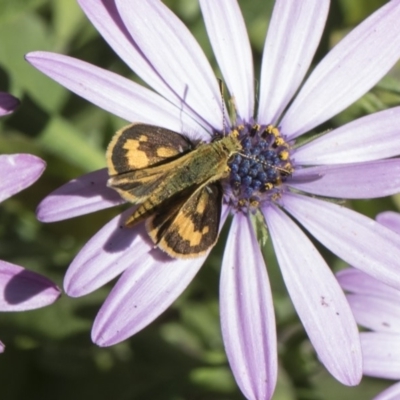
(286, 171)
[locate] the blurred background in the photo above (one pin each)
(180, 356)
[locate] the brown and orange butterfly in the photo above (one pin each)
(175, 182)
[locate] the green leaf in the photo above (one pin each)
(18, 37)
(14, 9)
(214, 378)
(64, 140)
(355, 11)
(389, 83)
(68, 18)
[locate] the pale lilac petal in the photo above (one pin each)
(390, 219)
(8, 103)
(247, 313)
(143, 292)
(149, 286)
(230, 42)
(80, 196)
(350, 181)
(17, 172)
(391, 393)
(2, 347)
(113, 93)
(355, 238)
(104, 15)
(381, 354)
(22, 290)
(317, 297)
(175, 55)
(349, 70)
(369, 138)
(108, 253)
(294, 33)
(355, 281)
(375, 313)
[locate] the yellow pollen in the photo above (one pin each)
(284, 155)
(273, 130)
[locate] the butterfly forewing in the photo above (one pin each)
(191, 225)
(140, 146)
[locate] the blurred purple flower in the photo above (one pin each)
(20, 289)
(376, 307)
(8, 103)
(343, 163)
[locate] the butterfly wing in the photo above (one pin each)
(136, 157)
(140, 146)
(188, 225)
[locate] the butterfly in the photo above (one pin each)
(175, 183)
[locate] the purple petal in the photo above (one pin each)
(17, 172)
(8, 103)
(247, 313)
(318, 299)
(390, 219)
(369, 138)
(358, 282)
(358, 240)
(230, 42)
(113, 93)
(149, 286)
(350, 181)
(22, 290)
(105, 17)
(2, 347)
(381, 354)
(80, 196)
(143, 292)
(108, 253)
(392, 393)
(175, 55)
(375, 313)
(294, 32)
(349, 70)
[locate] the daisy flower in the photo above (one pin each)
(375, 306)
(275, 176)
(20, 289)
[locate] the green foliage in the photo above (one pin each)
(180, 356)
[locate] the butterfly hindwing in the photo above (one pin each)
(137, 186)
(191, 225)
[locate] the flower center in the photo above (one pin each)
(259, 170)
